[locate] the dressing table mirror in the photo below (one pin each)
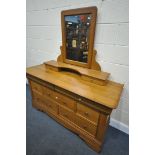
(78, 30)
(73, 90)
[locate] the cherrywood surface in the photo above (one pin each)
(107, 95)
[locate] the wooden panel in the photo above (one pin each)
(64, 100)
(95, 74)
(36, 87)
(52, 106)
(48, 92)
(90, 127)
(102, 126)
(66, 113)
(38, 101)
(88, 113)
(85, 125)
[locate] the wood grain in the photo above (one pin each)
(86, 120)
(107, 95)
(90, 75)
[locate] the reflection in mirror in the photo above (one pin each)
(77, 37)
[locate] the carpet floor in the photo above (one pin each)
(44, 136)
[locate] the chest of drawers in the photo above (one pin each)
(79, 105)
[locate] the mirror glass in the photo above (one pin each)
(77, 37)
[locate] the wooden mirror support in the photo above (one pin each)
(93, 65)
(93, 74)
(77, 95)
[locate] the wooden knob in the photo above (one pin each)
(65, 115)
(64, 103)
(84, 127)
(79, 99)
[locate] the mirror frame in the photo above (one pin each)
(79, 11)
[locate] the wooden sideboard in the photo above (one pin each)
(73, 90)
(80, 99)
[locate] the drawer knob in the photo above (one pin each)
(86, 113)
(84, 127)
(65, 115)
(56, 97)
(79, 99)
(64, 103)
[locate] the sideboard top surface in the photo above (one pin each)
(107, 95)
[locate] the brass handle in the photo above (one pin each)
(56, 97)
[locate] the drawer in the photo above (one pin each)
(64, 100)
(52, 106)
(88, 113)
(86, 125)
(67, 114)
(36, 87)
(48, 92)
(38, 100)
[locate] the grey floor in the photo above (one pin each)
(46, 137)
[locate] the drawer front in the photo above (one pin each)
(86, 125)
(36, 87)
(64, 100)
(88, 113)
(38, 100)
(52, 106)
(48, 92)
(67, 114)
